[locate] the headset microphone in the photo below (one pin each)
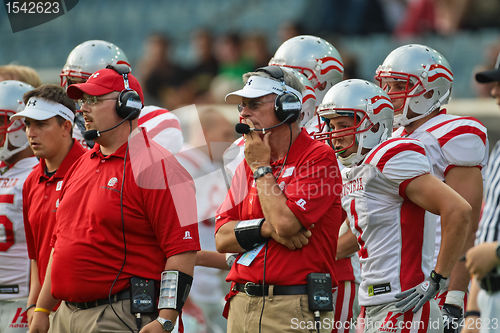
(245, 129)
(94, 134)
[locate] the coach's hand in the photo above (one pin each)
(416, 297)
(257, 149)
(40, 323)
(294, 242)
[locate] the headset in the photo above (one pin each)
(287, 105)
(128, 104)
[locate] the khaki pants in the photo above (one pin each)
(284, 313)
(69, 319)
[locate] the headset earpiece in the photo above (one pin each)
(287, 105)
(128, 104)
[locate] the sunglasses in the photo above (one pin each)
(92, 100)
(252, 104)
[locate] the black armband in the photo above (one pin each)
(174, 290)
(248, 233)
(31, 306)
(472, 313)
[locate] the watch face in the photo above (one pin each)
(168, 325)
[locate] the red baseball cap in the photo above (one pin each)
(103, 82)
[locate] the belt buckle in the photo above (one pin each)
(246, 286)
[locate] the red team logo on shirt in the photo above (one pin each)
(20, 319)
(352, 186)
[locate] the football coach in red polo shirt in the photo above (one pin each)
(287, 184)
(111, 234)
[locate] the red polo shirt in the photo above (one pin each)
(40, 200)
(88, 240)
(312, 184)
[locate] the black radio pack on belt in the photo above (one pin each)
(142, 295)
(319, 292)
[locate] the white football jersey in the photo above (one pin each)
(14, 261)
(163, 127)
(211, 186)
(211, 191)
(451, 141)
(396, 239)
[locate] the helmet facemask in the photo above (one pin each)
(428, 79)
(70, 76)
(371, 113)
(361, 124)
(12, 135)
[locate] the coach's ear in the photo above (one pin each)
(68, 127)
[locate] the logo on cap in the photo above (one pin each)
(95, 75)
(31, 102)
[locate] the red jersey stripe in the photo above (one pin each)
(435, 127)
(462, 130)
(372, 154)
(363, 253)
(7, 198)
(151, 115)
(162, 125)
(412, 240)
(396, 150)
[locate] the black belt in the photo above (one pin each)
(252, 289)
(122, 295)
(491, 283)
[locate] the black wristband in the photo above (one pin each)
(436, 277)
(472, 313)
(30, 307)
(247, 233)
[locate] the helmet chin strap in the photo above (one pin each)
(403, 120)
(350, 160)
(5, 153)
(354, 158)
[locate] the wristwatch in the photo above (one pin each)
(262, 171)
(166, 324)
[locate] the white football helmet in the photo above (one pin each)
(308, 96)
(12, 133)
(422, 69)
(369, 105)
(89, 57)
(314, 57)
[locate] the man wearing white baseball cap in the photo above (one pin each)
(284, 186)
(49, 116)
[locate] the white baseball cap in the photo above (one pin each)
(41, 109)
(258, 86)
